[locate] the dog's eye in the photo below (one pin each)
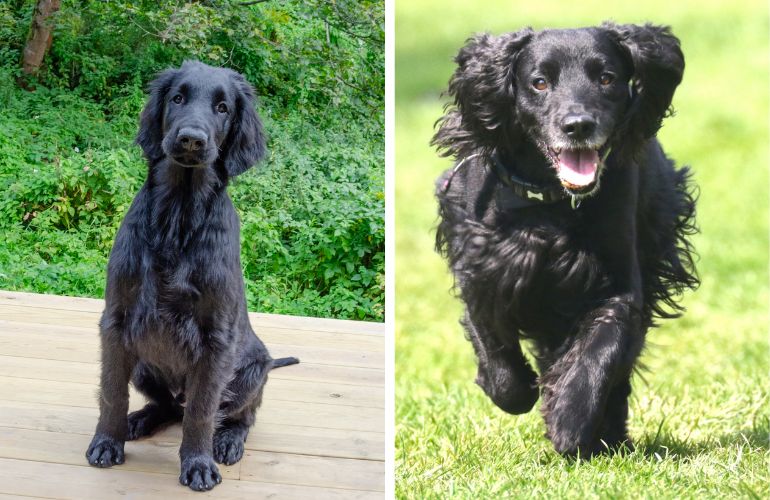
(539, 84)
(178, 99)
(222, 107)
(606, 78)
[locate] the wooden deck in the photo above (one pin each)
(319, 433)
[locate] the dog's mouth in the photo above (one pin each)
(190, 161)
(578, 169)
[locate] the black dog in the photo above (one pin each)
(563, 221)
(175, 321)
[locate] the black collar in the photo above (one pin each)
(531, 194)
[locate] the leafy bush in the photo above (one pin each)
(312, 214)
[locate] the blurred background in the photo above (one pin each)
(700, 412)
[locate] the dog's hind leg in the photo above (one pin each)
(243, 397)
(230, 435)
(503, 372)
(162, 410)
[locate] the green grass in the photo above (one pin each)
(700, 413)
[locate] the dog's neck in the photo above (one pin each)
(181, 202)
(527, 162)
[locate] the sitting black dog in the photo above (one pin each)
(175, 321)
(563, 221)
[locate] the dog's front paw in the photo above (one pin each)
(105, 451)
(570, 444)
(200, 473)
(228, 446)
(570, 423)
(514, 393)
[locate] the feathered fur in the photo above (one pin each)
(175, 321)
(583, 285)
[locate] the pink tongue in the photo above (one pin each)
(578, 166)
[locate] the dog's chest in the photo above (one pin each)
(539, 275)
(182, 298)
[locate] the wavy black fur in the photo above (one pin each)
(584, 285)
(175, 321)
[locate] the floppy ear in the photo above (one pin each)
(246, 142)
(658, 65)
(484, 94)
(150, 133)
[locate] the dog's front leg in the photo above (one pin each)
(503, 372)
(577, 386)
(203, 391)
(106, 448)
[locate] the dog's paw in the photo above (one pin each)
(569, 424)
(514, 393)
(228, 446)
(141, 423)
(105, 451)
(200, 473)
(570, 445)
(148, 420)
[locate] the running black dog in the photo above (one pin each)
(175, 321)
(563, 221)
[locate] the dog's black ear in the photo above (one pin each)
(658, 65)
(150, 133)
(484, 94)
(246, 141)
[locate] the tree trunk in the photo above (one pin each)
(40, 36)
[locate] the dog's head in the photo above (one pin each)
(575, 94)
(198, 115)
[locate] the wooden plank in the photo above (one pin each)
(84, 326)
(21, 477)
(88, 373)
(313, 471)
(298, 412)
(318, 434)
(52, 301)
(319, 324)
(44, 316)
(318, 392)
(48, 417)
(298, 439)
(65, 448)
(258, 319)
(310, 440)
(83, 394)
(44, 346)
(68, 348)
(49, 369)
(264, 436)
(335, 357)
(163, 458)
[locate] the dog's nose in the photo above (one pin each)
(578, 125)
(191, 139)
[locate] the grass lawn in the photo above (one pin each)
(700, 413)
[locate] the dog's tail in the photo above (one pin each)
(277, 363)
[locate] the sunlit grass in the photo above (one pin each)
(700, 413)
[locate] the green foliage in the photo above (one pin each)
(312, 213)
(305, 54)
